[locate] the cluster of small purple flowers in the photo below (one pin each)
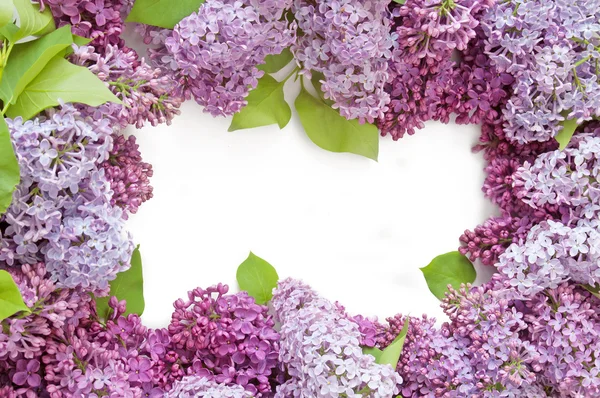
(551, 49)
(350, 43)
(213, 54)
(146, 93)
(61, 213)
(127, 174)
(99, 20)
(320, 349)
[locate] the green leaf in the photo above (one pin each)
(400, 1)
(128, 286)
(11, 300)
(376, 352)
(258, 278)
(9, 167)
(391, 353)
(61, 80)
(6, 12)
(566, 133)
(333, 132)
(266, 105)
(9, 31)
(448, 269)
(595, 290)
(32, 20)
(162, 13)
(276, 62)
(27, 60)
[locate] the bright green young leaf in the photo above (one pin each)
(162, 13)
(6, 12)
(266, 106)
(258, 278)
(400, 1)
(11, 300)
(333, 132)
(27, 60)
(276, 62)
(376, 352)
(595, 290)
(448, 269)
(32, 20)
(62, 80)
(9, 167)
(9, 31)
(391, 354)
(566, 133)
(129, 286)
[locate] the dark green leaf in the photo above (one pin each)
(128, 286)
(448, 269)
(11, 300)
(595, 290)
(258, 278)
(6, 12)
(61, 80)
(566, 133)
(276, 62)
(391, 354)
(32, 20)
(266, 105)
(162, 13)
(9, 167)
(27, 60)
(376, 352)
(331, 131)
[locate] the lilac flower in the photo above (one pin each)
(127, 174)
(27, 373)
(349, 43)
(320, 349)
(214, 53)
(202, 387)
(61, 212)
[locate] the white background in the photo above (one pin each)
(355, 229)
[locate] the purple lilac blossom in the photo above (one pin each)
(213, 54)
(99, 20)
(349, 42)
(320, 349)
(226, 338)
(147, 93)
(61, 212)
(551, 49)
(127, 174)
(202, 387)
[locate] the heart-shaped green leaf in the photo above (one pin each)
(276, 62)
(162, 13)
(258, 278)
(32, 21)
(11, 300)
(9, 167)
(266, 105)
(128, 286)
(448, 269)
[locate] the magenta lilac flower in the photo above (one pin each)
(127, 174)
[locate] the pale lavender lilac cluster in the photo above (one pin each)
(61, 212)
(201, 387)
(551, 49)
(320, 349)
(350, 43)
(213, 54)
(147, 94)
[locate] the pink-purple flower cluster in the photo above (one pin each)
(213, 54)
